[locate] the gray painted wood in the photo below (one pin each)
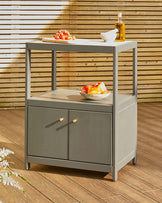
(115, 110)
(27, 96)
(53, 70)
(115, 174)
(124, 161)
(47, 136)
(90, 138)
(28, 74)
(71, 99)
(94, 46)
(135, 159)
(126, 135)
(70, 164)
(135, 71)
(122, 109)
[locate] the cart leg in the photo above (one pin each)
(115, 175)
(27, 165)
(135, 160)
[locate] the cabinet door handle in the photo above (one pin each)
(55, 122)
(61, 119)
(75, 120)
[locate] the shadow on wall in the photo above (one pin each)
(68, 15)
(84, 19)
(28, 23)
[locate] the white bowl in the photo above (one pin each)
(109, 36)
(95, 96)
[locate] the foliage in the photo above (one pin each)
(6, 173)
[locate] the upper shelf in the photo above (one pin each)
(83, 45)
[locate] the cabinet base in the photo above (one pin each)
(75, 164)
(69, 164)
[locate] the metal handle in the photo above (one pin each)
(61, 119)
(75, 120)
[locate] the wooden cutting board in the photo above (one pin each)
(76, 41)
(56, 40)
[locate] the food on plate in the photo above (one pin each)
(86, 88)
(63, 35)
(98, 88)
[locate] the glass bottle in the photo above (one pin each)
(121, 29)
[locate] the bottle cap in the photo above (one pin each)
(119, 15)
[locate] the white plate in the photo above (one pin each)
(95, 96)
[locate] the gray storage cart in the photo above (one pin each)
(63, 129)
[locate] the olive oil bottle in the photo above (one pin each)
(121, 29)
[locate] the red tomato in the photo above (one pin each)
(86, 88)
(65, 32)
(68, 37)
(63, 35)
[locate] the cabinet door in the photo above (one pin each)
(47, 135)
(90, 137)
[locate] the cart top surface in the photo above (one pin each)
(83, 45)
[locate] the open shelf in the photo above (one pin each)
(67, 97)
